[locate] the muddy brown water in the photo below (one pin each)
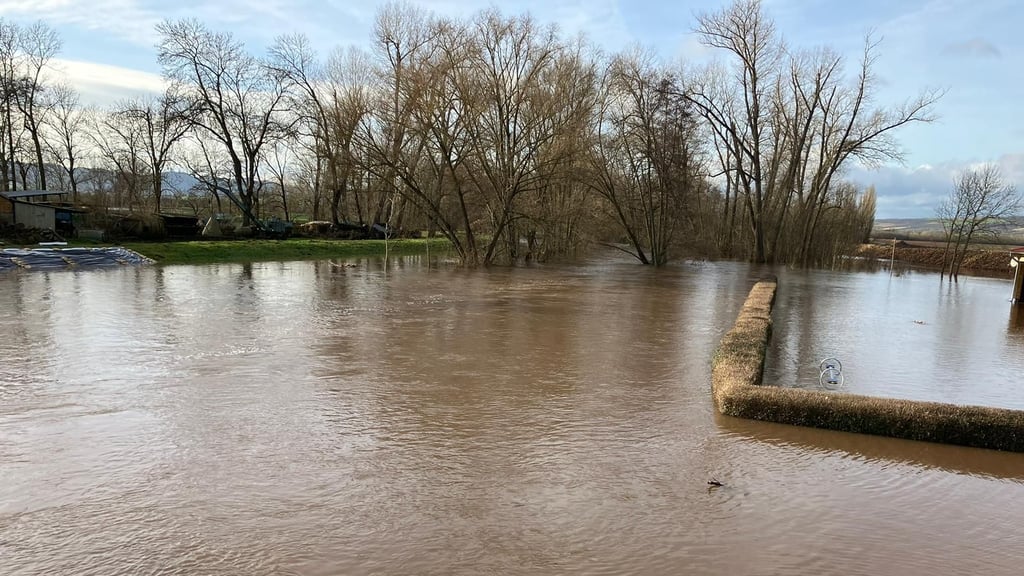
(331, 418)
(901, 336)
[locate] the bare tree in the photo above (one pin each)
(161, 123)
(25, 53)
(309, 175)
(553, 215)
(239, 99)
(402, 33)
(67, 125)
(10, 66)
(851, 129)
(279, 163)
(978, 206)
(428, 162)
(293, 57)
(749, 35)
(120, 144)
(39, 44)
(508, 118)
(788, 124)
(643, 163)
(330, 101)
(210, 165)
(350, 78)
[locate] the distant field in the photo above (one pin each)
(929, 229)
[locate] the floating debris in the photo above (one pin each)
(831, 376)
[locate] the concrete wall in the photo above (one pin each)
(738, 391)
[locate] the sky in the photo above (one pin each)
(971, 49)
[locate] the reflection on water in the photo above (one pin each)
(983, 463)
(1015, 326)
(326, 417)
(909, 336)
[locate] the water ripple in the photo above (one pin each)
(308, 419)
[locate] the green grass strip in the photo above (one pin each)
(217, 251)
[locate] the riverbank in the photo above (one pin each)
(930, 254)
(737, 375)
(217, 251)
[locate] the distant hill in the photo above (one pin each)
(89, 177)
(931, 229)
(173, 180)
(907, 225)
(180, 181)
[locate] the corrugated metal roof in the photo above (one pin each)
(31, 193)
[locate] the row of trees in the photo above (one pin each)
(47, 137)
(509, 138)
(785, 122)
(25, 53)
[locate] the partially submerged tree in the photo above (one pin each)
(786, 124)
(643, 162)
(978, 207)
(510, 138)
(474, 121)
(509, 127)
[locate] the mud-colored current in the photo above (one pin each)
(330, 418)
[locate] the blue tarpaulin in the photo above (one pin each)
(68, 258)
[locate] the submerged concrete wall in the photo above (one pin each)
(736, 380)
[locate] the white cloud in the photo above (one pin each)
(691, 49)
(125, 19)
(102, 84)
(268, 16)
(973, 48)
(601, 21)
(135, 20)
(905, 192)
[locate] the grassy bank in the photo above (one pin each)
(737, 378)
(213, 251)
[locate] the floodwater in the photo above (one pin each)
(910, 335)
(333, 418)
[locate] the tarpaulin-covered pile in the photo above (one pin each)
(65, 258)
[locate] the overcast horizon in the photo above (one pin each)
(964, 48)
